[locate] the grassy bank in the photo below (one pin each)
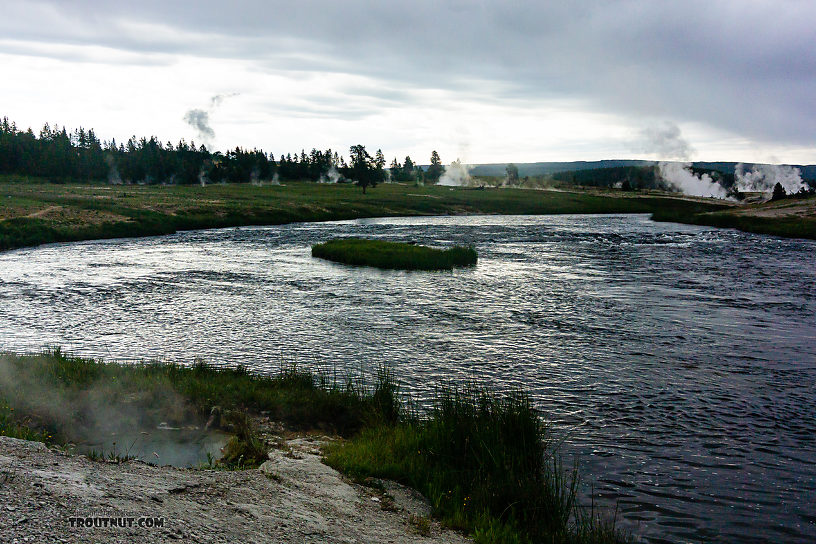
(482, 460)
(393, 255)
(36, 213)
(793, 218)
(64, 396)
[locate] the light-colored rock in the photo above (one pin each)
(293, 497)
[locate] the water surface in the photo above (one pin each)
(678, 363)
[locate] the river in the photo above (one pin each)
(677, 363)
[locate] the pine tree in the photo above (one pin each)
(435, 170)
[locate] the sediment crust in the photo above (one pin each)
(47, 495)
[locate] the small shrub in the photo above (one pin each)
(245, 449)
(420, 524)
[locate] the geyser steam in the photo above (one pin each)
(666, 140)
(332, 176)
(456, 174)
(763, 177)
(681, 178)
(199, 119)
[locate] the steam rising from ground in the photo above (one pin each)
(113, 173)
(100, 411)
(456, 174)
(332, 176)
(763, 178)
(666, 140)
(199, 119)
(680, 177)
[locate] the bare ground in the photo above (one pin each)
(780, 208)
(293, 497)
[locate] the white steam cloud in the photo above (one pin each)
(667, 142)
(763, 178)
(113, 173)
(456, 174)
(199, 119)
(332, 176)
(680, 177)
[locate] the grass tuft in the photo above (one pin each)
(483, 463)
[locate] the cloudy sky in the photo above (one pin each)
(485, 81)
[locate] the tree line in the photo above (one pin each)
(63, 156)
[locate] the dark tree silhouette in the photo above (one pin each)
(435, 170)
(363, 170)
(512, 174)
(778, 192)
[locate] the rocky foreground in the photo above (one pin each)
(49, 496)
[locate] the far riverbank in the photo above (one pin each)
(34, 213)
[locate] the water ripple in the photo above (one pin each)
(676, 362)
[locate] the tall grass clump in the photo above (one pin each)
(483, 462)
(394, 255)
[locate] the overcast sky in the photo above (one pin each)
(489, 81)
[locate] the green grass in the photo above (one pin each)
(789, 226)
(482, 459)
(17, 425)
(393, 255)
(484, 463)
(36, 213)
(63, 398)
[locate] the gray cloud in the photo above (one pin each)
(744, 67)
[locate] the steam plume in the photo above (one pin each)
(113, 173)
(763, 177)
(666, 141)
(332, 176)
(456, 174)
(681, 178)
(199, 119)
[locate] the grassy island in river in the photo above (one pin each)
(393, 255)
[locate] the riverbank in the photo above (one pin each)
(50, 496)
(791, 218)
(39, 213)
(481, 460)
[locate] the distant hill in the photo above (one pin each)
(546, 168)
